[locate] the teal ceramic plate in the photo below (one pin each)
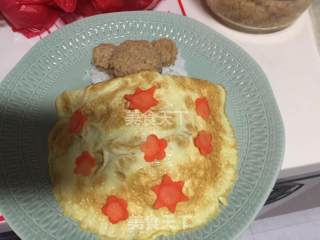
(61, 61)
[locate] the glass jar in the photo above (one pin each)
(259, 16)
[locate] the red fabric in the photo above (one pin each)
(67, 5)
(33, 17)
(123, 5)
(109, 5)
(152, 4)
(30, 19)
(86, 8)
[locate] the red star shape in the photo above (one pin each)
(169, 194)
(142, 100)
(154, 148)
(116, 209)
(203, 143)
(84, 164)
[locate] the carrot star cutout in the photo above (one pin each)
(169, 194)
(77, 122)
(84, 164)
(154, 148)
(203, 142)
(116, 209)
(142, 100)
(202, 107)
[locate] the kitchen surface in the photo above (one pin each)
(291, 60)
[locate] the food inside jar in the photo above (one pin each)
(259, 13)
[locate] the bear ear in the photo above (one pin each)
(102, 54)
(167, 49)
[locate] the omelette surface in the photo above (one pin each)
(104, 155)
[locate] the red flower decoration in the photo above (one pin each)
(142, 99)
(169, 194)
(154, 148)
(77, 122)
(202, 107)
(203, 142)
(115, 209)
(84, 164)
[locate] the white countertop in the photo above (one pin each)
(289, 59)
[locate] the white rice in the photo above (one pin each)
(179, 68)
(95, 75)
